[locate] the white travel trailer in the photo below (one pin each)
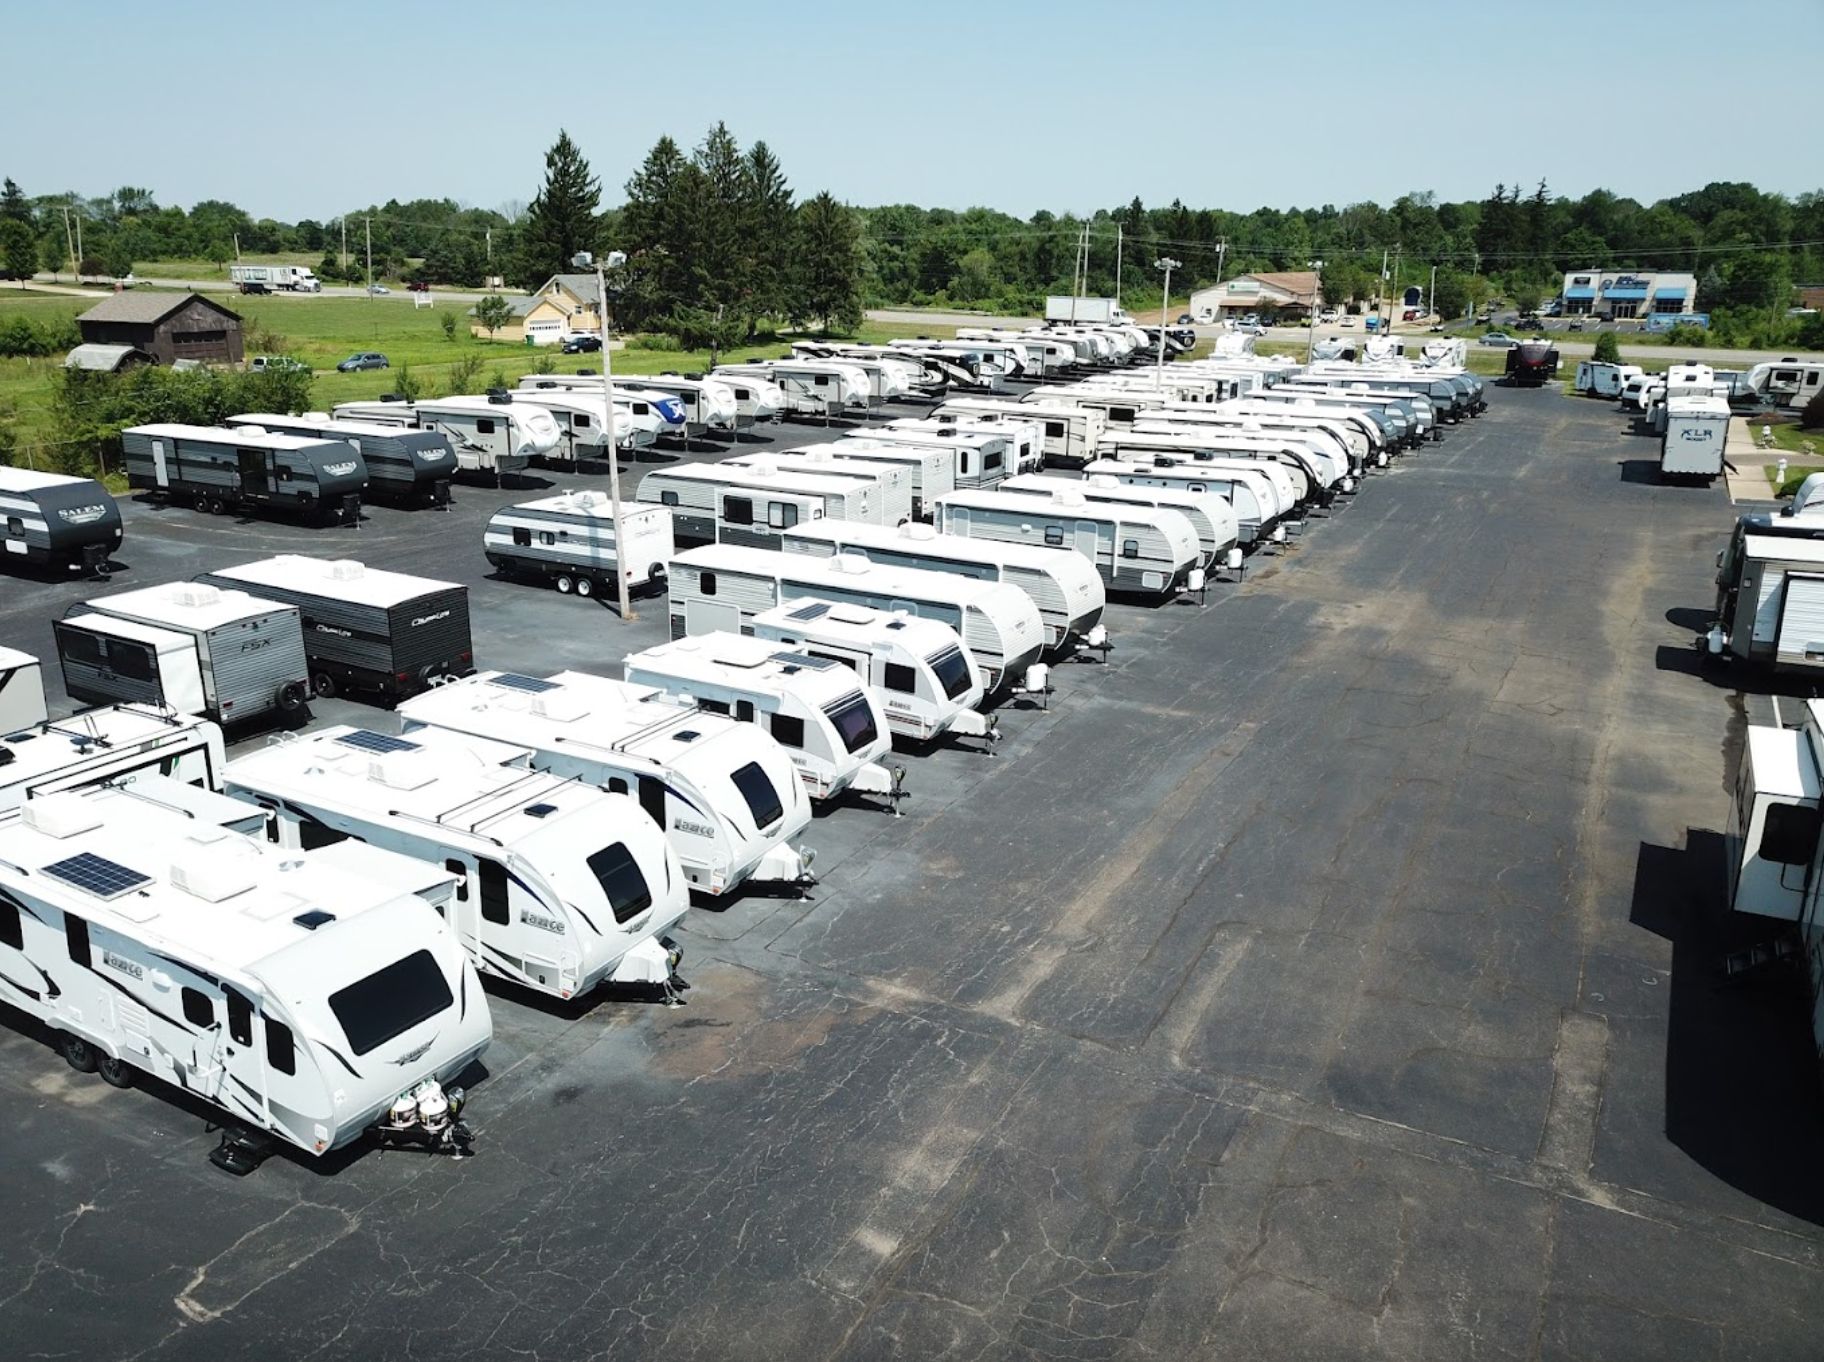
(560, 886)
(21, 693)
(979, 458)
(194, 648)
(1209, 512)
(490, 435)
(722, 587)
(53, 521)
(218, 470)
(568, 540)
(404, 465)
(1770, 608)
(1790, 382)
(1138, 549)
(1773, 844)
(891, 484)
(365, 629)
(1329, 449)
(829, 722)
(1596, 378)
(726, 795)
(926, 682)
(310, 998)
(1696, 437)
(1025, 435)
(1305, 471)
(1244, 483)
(753, 502)
(1068, 433)
(708, 404)
(822, 388)
(96, 745)
(888, 381)
(1065, 587)
(582, 423)
(931, 471)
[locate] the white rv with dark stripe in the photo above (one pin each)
(1212, 516)
(1141, 550)
(488, 436)
(891, 485)
(560, 886)
(568, 540)
(725, 793)
(750, 503)
(96, 745)
(365, 629)
(1243, 483)
(50, 521)
(1068, 433)
(300, 995)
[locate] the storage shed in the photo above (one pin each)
(167, 326)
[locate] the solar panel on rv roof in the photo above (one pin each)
(810, 612)
(532, 685)
(96, 875)
(804, 660)
(365, 740)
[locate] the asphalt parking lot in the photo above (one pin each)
(1330, 975)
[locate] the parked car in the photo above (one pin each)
(1248, 328)
(1576, 324)
(1327, 316)
(266, 364)
(1498, 338)
(378, 288)
(363, 359)
(419, 286)
(1184, 319)
(1347, 321)
(1252, 319)
(577, 345)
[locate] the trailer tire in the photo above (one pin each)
(323, 686)
(291, 697)
(116, 1073)
(565, 585)
(585, 587)
(78, 1053)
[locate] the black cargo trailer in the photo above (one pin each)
(365, 630)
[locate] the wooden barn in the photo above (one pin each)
(167, 326)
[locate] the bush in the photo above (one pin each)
(655, 340)
(1608, 349)
(447, 320)
(21, 337)
(462, 374)
(406, 384)
(88, 409)
(1812, 417)
(1687, 333)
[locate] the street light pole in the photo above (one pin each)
(614, 440)
(1317, 271)
(1166, 263)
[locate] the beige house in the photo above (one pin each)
(561, 307)
(1287, 292)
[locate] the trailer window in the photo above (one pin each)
(614, 869)
(762, 799)
(484, 426)
(1130, 548)
(240, 1019)
(901, 678)
(391, 1001)
(12, 930)
(1054, 430)
(580, 421)
(744, 711)
(547, 537)
(706, 583)
(713, 706)
(199, 1011)
(781, 515)
(493, 876)
(738, 510)
(133, 661)
(952, 670)
(1790, 834)
(281, 1051)
(962, 461)
(787, 731)
(15, 526)
(990, 462)
(854, 721)
(668, 498)
(76, 932)
(522, 536)
(1054, 535)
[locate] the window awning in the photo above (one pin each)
(1580, 293)
(1627, 293)
(1669, 293)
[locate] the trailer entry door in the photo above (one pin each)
(253, 472)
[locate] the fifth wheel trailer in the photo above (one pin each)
(302, 996)
(1139, 549)
(365, 629)
(57, 522)
(195, 648)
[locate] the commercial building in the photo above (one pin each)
(1282, 293)
(1622, 293)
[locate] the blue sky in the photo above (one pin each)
(1015, 105)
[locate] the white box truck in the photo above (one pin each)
(1061, 307)
(267, 278)
(1696, 433)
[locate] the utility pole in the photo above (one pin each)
(70, 241)
(614, 442)
(1166, 263)
(1395, 284)
(79, 256)
(1317, 292)
(370, 256)
(1380, 294)
(1431, 297)
(1117, 262)
(237, 248)
(344, 256)
(490, 250)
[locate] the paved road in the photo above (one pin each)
(329, 290)
(1329, 976)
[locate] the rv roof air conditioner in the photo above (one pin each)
(60, 815)
(195, 596)
(253, 432)
(346, 570)
(853, 563)
(913, 529)
(212, 877)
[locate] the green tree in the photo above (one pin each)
(977, 276)
(1450, 297)
(771, 227)
(493, 312)
(1608, 349)
(53, 254)
(447, 320)
(18, 249)
(562, 218)
(116, 259)
(407, 384)
(13, 203)
(829, 265)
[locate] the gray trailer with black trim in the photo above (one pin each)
(219, 470)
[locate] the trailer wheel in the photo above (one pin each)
(78, 1053)
(291, 697)
(116, 1073)
(323, 685)
(585, 586)
(564, 584)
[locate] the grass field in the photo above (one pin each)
(323, 331)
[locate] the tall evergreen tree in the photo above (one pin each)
(14, 204)
(562, 218)
(719, 260)
(771, 227)
(829, 265)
